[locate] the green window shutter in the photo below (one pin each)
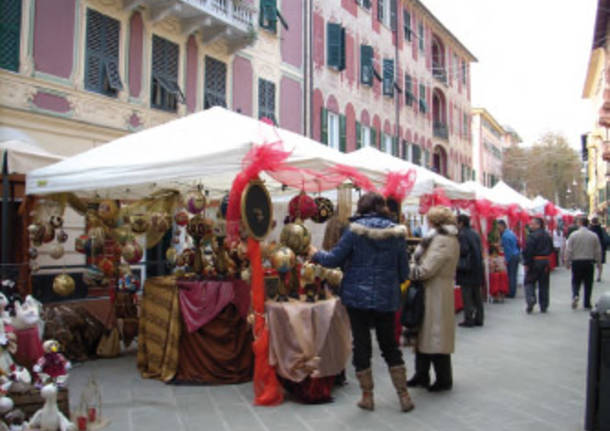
(366, 4)
(268, 15)
(10, 32)
(165, 91)
(395, 146)
(393, 15)
(374, 138)
(420, 29)
(358, 135)
(408, 90)
(102, 54)
(335, 44)
(404, 149)
(388, 77)
(215, 84)
(423, 106)
(342, 50)
(407, 24)
(380, 11)
(366, 64)
(342, 134)
(324, 126)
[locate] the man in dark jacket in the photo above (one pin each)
(536, 262)
(599, 231)
(470, 273)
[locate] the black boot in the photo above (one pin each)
(422, 371)
(444, 373)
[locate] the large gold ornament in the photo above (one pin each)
(57, 251)
(160, 222)
(63, 285)
(132, 252)
(140, 222)
(308, 273)
(199, 227)
(283, 259)
(108, 211)
(297, 237)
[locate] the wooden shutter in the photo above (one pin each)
(358, 135)
(374, 137)
(333, 45)
(268, 15)
(393, 15)
(165, 89)
(366, 4)
(394, 146)
(10, 32)
(408, 90)
(324, 126)
(342, 50)
(94, 54)
(342, 134)
(404, 150)
(380, 10)
(215, 83)
(407, 24)
(388, 77)
(366, 64)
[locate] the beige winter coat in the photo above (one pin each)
(435, 265)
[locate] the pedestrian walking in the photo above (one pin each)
(597, 228)
(582, 252)
(510, 245)
(373, 251)
(558, 244)
(435, 262)
(470, 273)
(537, 256)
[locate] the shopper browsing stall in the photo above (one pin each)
(470, 273)
(511, 256)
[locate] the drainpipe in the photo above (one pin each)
(311, 113)
(305, 77)
(5, 204)
(397, 100)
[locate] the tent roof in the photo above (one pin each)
(480, 191)
(202, 148)
(22, 153)
(506, 195)
(376, 164)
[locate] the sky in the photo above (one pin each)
(532, 61)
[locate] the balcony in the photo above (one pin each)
(440, 73)
(441, 131)
(228, 20)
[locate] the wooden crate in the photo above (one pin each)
(31, 401)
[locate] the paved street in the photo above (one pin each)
(519, 372)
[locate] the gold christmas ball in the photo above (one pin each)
(132, 252)
(195, 201)
(160, 222)
(57, 251)
(139, 223)
(63, 285)
(297, 237)
(334, 277)
(308, 273)
(283, 259)
(108, 211)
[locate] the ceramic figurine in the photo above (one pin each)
(52, 365)
(49, 418)
(127, 281)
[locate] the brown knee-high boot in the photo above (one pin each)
(365, 377)
(399, 379)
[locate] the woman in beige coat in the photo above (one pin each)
(435, 263)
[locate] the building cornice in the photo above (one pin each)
(594, 69)
(485, 113)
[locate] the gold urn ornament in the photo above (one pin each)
(297, 237)
(63, 285)
(283, 259)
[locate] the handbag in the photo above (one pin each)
(412, 314)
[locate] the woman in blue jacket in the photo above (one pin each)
(373, 255)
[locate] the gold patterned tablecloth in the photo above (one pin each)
(160, 328)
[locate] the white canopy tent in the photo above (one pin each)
(22, 153)
(480, 191)
(506, 195)
(203, 148)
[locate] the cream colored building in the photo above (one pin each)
(488, 142)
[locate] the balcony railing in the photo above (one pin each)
(439, 73)
(441, 131)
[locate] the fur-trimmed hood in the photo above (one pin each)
(447, 229)
(379, 233)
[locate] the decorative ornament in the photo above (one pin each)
(195, 201)
(180, 260)
(33, 252)
(122, 234)
(106, 266)
(48, 233)
(297, 237)
(63, 285)
(93, 277)
(181, 218)
(139, 223)
(57, 251)
(132, 252)
(283, 259)
(171, 255)
(199, 227)
(224, 206)
(325, 209)
(80, 244)
(188, 257)
(62, 236)
(160, 222)
(34, 266)
(308, 273)
(56, 221)
(108, 211)
(333, 277)
(97, 235)
(256, 210)
(302, 207)
(36, 232)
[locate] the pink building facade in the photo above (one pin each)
(388, 74)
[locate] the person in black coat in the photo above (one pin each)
(599, 231)
(536, 262)
(470, 274)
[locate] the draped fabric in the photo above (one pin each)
(160, 328)
(219, 352)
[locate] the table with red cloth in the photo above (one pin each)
(213, 344)
(309, 345)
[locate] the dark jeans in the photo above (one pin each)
(537, 276)
(512, 268)
(473, 304)
(582, 272)
(384, 323)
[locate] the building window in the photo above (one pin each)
(102, 54)
(366, 64)
(333, 130)
(388, 77)
(215, 92)
(404, 150)
(409, 97)
(416, 154)
(423, 106)
(406, 19)
(165, 91)
(380, 10)
(335, 46)
(10, 34)
(364, 3)
(456, 67)
(366, 136)
(266, 100)
(466, 126)
(464, 72)
(420, 30)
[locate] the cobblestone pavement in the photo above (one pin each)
(519, 372)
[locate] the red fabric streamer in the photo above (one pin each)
(351, 173)
(551, 212)
(437, 197)
(267, 389)
(399, 184)
(513, 214)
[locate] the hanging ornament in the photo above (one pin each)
(132, 252)
(97, 235)
(180, 260)
(108, 211)
(48, 233)
(283, 259)
(56, 221)
(62, 236)
(195, 201)
(106, 266)
(160, 222)
(171, 255)
(301, 207)
(139, 223)
(57, 251)
(81, 244)
(325, 209)
(122, 234)
(181, 218)
(63, 285)
(34, 266)
(93, 276)
(33, 252)
(199, 227)
(35, 230)
(297, 237)
(188, 257)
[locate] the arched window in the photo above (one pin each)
(439, 160)
(439, 114)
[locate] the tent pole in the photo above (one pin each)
(5, 204)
